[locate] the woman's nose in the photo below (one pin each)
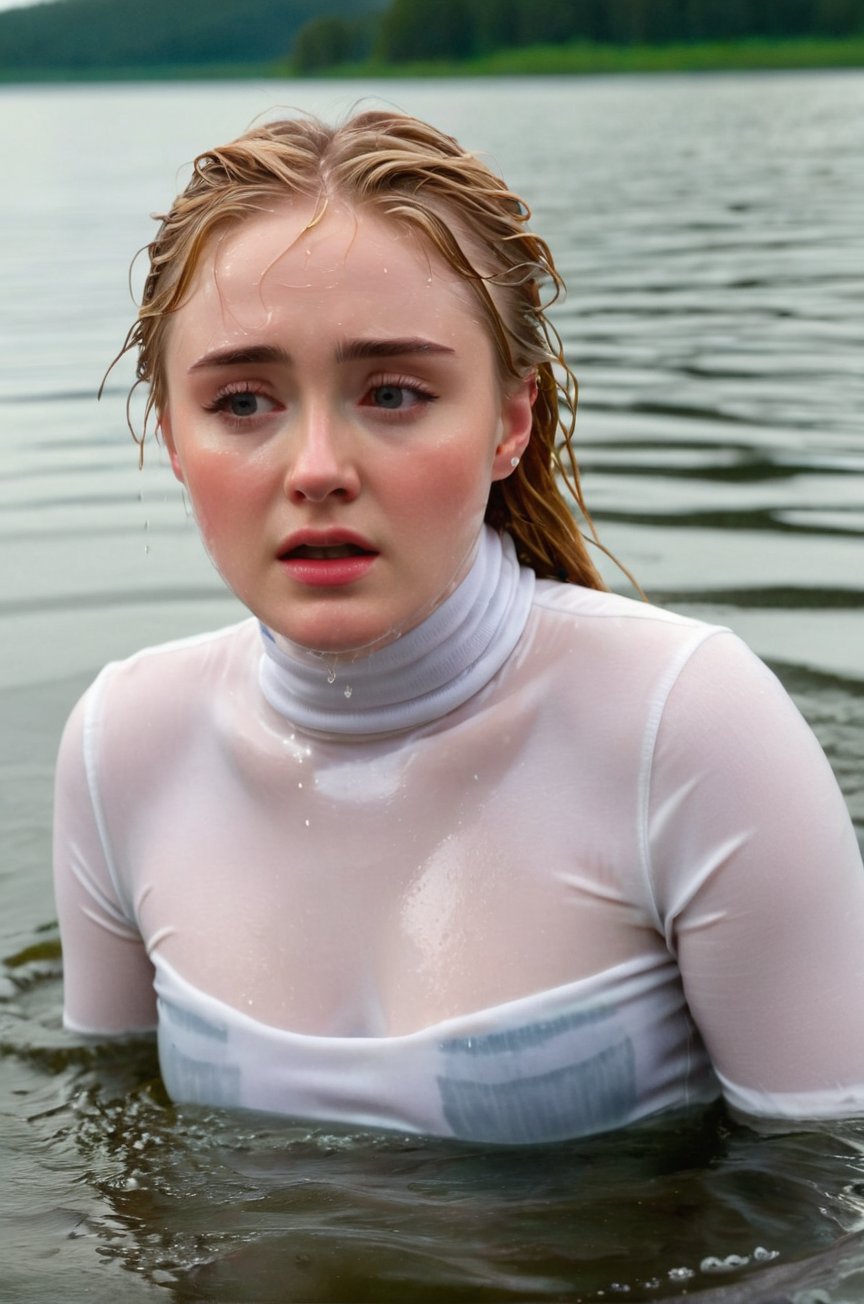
(321, 460)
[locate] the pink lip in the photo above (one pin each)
(326, 572)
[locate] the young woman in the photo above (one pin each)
(446, 838)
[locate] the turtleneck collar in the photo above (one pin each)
(430, 670)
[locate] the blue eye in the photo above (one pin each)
(242, 405)
(389, 396)
(398, 396)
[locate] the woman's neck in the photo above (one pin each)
(427, 672)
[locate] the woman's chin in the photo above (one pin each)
(349, 626)
(346, 641)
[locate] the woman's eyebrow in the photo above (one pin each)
(353, 350)
(350, 351)
(241, 356)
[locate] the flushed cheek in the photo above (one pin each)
(450, 495)
(222, 493)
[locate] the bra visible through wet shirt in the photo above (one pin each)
(578, 1059)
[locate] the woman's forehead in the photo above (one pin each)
(303, 245)
(303, 233)
(328, 264)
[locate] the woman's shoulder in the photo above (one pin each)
(171, 678)
(613, 626)
(607, 647)
(188, 655)
(602, 605)
(149, 709)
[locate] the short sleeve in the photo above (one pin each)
(759, 884)
(107, 975)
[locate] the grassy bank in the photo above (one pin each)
(585, 58)
(142, 73)
(580, 58)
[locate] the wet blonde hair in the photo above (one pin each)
(403, 171)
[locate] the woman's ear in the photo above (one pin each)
(517, 415)
(164, 429)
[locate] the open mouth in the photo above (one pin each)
(308, 552)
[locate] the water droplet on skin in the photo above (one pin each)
(348, 690)
(306, 822)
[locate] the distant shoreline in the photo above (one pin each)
(583, 58)
(576, 59)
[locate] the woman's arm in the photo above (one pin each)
(107, 976)
(759, 883)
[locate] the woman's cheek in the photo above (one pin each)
(219, 486)
(455, 486)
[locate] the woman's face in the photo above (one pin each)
(335, 413)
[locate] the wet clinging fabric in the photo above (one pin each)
(549, 863)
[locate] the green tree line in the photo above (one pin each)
(461, 29)
(88, 35)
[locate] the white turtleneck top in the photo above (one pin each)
(549, 863)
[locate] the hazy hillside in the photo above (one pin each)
(92, 38)
(81, 35)
(462, 28)
(412, 30)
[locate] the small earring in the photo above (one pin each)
(514, 462)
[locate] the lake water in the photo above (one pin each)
(712, 233)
